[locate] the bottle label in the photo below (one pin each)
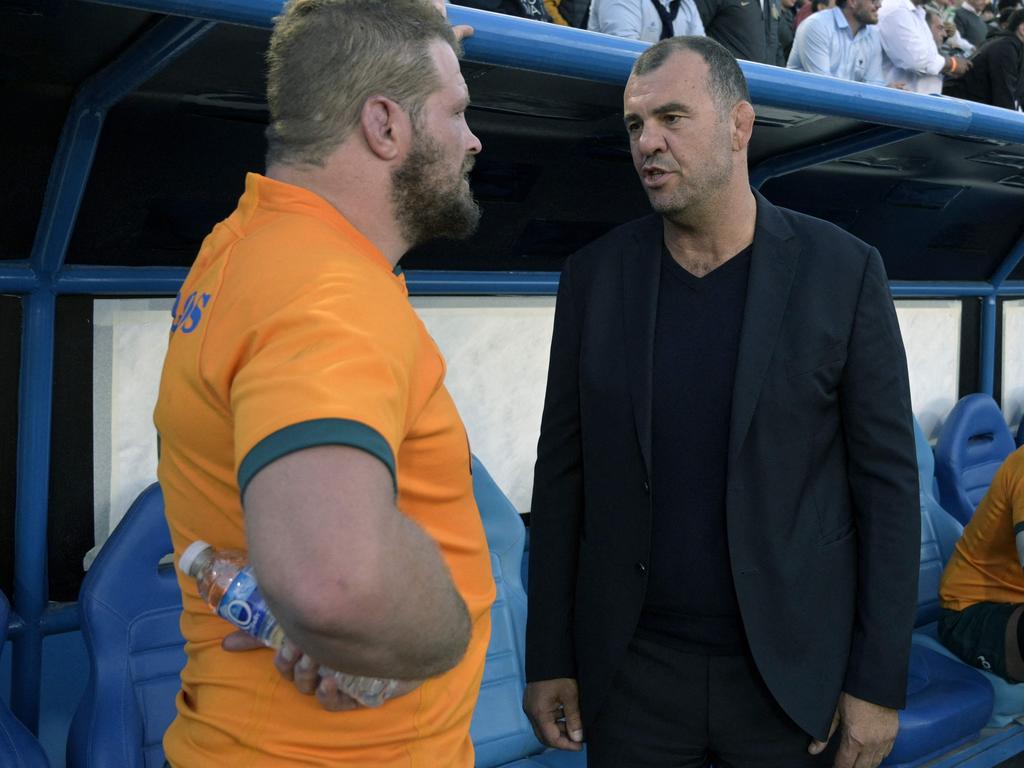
(243, 605)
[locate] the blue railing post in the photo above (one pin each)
(35, 389)
(990, 318)
(64, 192)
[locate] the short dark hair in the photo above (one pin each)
(1015, 20)
(725, 80)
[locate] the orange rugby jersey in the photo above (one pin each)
(985, 566)
(293, 331)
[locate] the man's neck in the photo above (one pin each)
(362, 200)
(711, 236)
(968, 7)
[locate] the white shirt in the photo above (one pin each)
(825, 45)
(638, 19)
(910, 54)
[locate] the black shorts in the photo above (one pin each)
(985, 636)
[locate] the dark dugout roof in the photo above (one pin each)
(940, 195)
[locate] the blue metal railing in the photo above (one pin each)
(499, 40)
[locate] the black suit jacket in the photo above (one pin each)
(822, 495)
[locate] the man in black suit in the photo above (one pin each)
(725, 524)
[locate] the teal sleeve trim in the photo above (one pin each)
(1018, 528)
(308, 434)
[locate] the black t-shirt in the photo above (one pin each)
(691, 597)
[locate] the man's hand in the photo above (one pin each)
(866, 733)
(296, 666)
(462, 31)
(553, 707)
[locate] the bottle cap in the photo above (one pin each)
(188, 557)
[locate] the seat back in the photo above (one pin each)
(500, 731)
(925, 461)
(939, 535)
(974, 442)
(131, 608)
(18, 747)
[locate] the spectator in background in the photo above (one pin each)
(910, 53)
(841, 42)
(811, 7)
(749, 29)
(997, 74)
(787, 29)
(969, 22)
(648, 20)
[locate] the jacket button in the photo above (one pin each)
(641, 566)
(647, 487)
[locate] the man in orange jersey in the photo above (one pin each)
(982, 587)
(303, 415)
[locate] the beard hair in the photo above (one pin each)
(428, 202)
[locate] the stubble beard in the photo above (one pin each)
(687, 203)
(428, 201)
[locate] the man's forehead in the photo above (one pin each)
(682, 77)
(448, 69)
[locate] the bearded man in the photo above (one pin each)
(303, 415)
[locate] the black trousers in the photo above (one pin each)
(672, 709)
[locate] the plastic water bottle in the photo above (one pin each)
(228, 585)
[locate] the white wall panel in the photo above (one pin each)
(1013, 361)
(130, 343)
(497, 354)
(931, 336)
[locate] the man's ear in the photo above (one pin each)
(386, 127)
(742, 125)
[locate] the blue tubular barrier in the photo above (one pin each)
(524, 44)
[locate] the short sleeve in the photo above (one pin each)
(327, 363)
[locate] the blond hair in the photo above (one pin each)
(327, 57)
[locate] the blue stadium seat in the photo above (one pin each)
(948, 703)
(1019, 439)
(925, 462)
(501, 733)
(18, 747)
(974, 442)
(130, 611)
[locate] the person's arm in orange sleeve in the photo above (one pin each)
(336, 558)
(1014, 479)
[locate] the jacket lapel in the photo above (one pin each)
(641, 270)
(772, 266)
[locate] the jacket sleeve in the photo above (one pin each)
(882, 470)
(1003, 73)
(556, 510)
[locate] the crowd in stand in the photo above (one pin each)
(970, 49)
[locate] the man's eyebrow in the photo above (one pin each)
(671, 107)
